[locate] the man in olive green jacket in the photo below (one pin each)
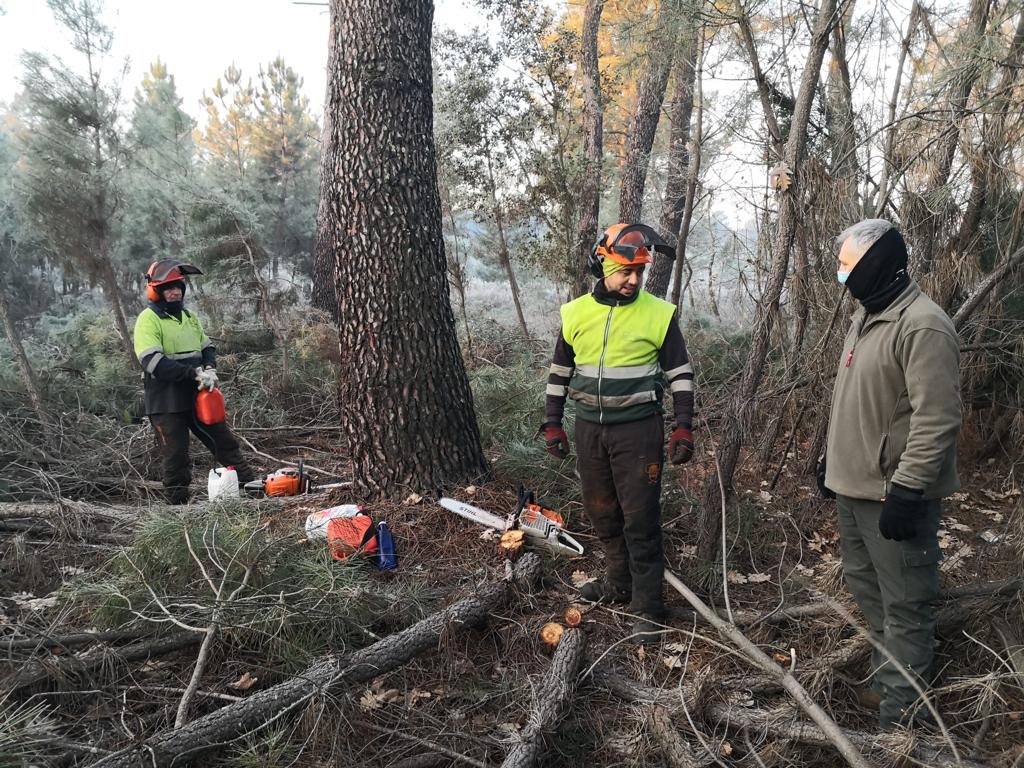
(891, 457)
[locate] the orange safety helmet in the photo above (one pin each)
(164, 272)
(628, 244)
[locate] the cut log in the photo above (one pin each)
(551, 701)
(328, 674)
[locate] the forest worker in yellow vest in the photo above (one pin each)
(617, 346)
(179, 359)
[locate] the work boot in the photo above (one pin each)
(647, 631)
(603, 592)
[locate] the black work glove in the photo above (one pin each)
(901, 509)
(819, 475)
(556, 442)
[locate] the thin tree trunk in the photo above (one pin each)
(590, 192)
(113, 292)
(986, 171)
(677, 182)
(739, 415)
(506, 262)
(922, 223)
(763, 89)
(407, 409)
(1011, 263)
(650, 95)
(692, 181)
(28, 376)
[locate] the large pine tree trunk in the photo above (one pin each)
(593, 127)
(679, 155)
(740, 411)
(407, 409)
(648, 111)
(323, 296)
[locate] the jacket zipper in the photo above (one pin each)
(600, 365)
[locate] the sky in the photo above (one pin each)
(196, 39)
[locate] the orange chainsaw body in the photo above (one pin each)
(286, 482)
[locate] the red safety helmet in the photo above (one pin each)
(164, 272)
(628, 244)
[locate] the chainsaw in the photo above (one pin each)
(540, 524)
(288, 481)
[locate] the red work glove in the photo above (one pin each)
(680, 446)
(555, 440)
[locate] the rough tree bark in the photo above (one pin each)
(676, 182)
(692, 182)
(407, 409)
(590, 188)
(323, 296)
(650, 95)
(330, 673)
(739, 413)
(551, 701)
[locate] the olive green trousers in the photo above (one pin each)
(896, 584)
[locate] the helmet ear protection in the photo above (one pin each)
(164, 272)
(652, 241)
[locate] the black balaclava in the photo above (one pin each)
(172, 307)
(881, 274)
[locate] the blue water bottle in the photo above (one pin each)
(386, 558)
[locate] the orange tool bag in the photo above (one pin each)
(348, 536)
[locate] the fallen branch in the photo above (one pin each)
(838, 739)
(326, 675)
(58, 668)
(551, 701)
(674, 749)
(781, 724)
(66, 641)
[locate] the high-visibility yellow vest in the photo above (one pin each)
(617, 377)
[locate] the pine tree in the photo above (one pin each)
(71, 174)
(158, 174)
(407, 409)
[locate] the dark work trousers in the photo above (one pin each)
(620, 474)
(896, 584)
(172, 434)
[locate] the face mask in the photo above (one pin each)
(841, 277)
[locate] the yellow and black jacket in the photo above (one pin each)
(170, 347)
(612, 357)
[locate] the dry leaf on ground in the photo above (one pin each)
(244, 683)
(579, 578)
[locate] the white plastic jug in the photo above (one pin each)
(222, 483)
(316, 524)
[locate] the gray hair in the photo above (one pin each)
(864, 234)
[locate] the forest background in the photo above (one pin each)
(748, 134)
